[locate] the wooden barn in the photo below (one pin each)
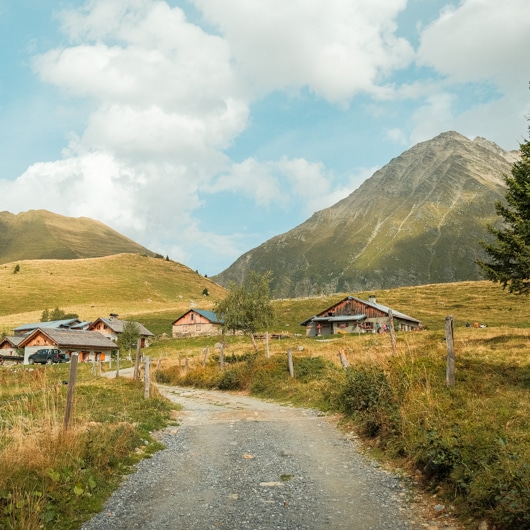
(197, 323)
(353, 315)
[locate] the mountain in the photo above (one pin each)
(416, 221)
(39, 234)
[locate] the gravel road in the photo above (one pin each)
(239, 463)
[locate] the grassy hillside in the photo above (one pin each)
(155, 292)
(128, 284)
(39, 234)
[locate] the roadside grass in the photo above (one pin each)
(470, 446)
(52, 478)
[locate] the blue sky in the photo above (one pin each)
(202, 128)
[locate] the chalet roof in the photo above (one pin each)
(68, 338)
(339, 318)
(116, 325)
(13, 341)
(209, 315)
(66, 323)
(367, 303)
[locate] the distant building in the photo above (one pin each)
(90, 345)
(353, 315)
(196, 323)
(113, 326)
(68, 323)
(9, 350)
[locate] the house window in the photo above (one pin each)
(192, 315)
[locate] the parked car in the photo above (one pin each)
(48, 356)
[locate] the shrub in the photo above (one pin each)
(369, 398)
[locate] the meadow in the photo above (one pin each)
(468, 445)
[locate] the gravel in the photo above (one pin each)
(236, 462)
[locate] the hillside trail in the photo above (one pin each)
(237, 463)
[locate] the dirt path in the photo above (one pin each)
(235, 462)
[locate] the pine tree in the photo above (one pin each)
(509, 253)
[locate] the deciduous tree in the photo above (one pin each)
(128, 338)
(247, 307)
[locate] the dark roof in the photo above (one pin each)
(66, 323)
(209, 315)
(14, 341)
(117, 326)
(68, 338)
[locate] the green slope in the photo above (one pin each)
(39, 234)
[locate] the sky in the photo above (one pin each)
(202, 128)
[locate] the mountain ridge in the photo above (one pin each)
(416, 221)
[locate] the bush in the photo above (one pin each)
(370, 400)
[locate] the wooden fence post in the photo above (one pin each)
(267, 344)
(343, 359)
(222, 355)
(147, 377)
(72, 377)
(205, 351)
(392, 331)
(449, 338)
(136, 375)
(290, 361)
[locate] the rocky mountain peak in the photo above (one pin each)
(417, 220)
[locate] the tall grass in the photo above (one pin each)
(56, 478)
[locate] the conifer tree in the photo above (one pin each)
(509, 253)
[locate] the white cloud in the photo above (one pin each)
(480, 40)
(337, 48)
(288, 183)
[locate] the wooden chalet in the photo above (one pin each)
(197, 323)
(353, 315)
(9, 350)
(90, 345)
(113, 326)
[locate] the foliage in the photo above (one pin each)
(16, 269)
(56, 314)
(369, 397)
(128, 338)
(509, 254)
(247, 307)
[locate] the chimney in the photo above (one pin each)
(371, 299)
(113, 316)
